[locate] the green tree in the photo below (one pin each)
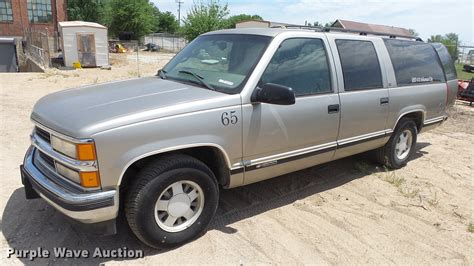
(204, 17)
(436, 38)
(454, 37)
(450, 40)
(318, 24)
(85, 10)
(137, 16)
(233, 20)
(329, 24)
(413, 33)
(166, 22)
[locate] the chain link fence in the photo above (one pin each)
(36, 45)
(466, 54)
(167, 42)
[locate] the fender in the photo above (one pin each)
(174, 148)
(405, 112)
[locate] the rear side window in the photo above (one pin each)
(301, 64)
(446, 60)
(414, 62)
(360, 65)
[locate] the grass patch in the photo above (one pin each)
(392, 178)
(133, 74)
(408, 193)
(434, 201)
(363, 167)
(53, 73)
(470, 228)
(463, 74)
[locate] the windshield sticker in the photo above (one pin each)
(226, 82)
(209, 61)
(421, 79)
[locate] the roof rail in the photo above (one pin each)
(315, 28)
(336, 29)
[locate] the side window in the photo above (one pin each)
(360, 65)
(301, 64)
(446, 60)
(414, 62)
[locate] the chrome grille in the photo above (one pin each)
(47, 159)
(43, 163)
(43, 134)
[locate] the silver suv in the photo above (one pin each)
(233, 108)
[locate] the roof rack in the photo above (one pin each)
(335, 29)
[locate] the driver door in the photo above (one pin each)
(279, 139)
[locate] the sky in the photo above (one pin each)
(425, 16)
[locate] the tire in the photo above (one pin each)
(390, 155)
(148, 219)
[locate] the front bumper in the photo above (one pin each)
(83, 206)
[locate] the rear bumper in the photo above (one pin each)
(83, 206)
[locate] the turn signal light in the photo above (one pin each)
(90, 179)
(85, 152)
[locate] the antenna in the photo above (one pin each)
(179, 2)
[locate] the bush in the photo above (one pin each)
(204, 18)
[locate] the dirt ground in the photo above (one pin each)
(345, 212)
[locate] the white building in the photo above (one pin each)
(260, 24)
(85, 42)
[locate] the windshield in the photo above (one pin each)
(223, 61)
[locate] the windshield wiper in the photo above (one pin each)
(162, 74)
(199, 78)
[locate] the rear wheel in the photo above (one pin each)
(172, 201)
(401, 145)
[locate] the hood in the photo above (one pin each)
(85, 111)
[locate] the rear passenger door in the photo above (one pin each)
(363, 95)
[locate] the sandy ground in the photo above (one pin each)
(345, 212)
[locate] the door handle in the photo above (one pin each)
(333, 108)
(384, 100)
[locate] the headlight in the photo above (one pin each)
(79, 151)
(86, 179)
(65, 147)
(83, 151)
(68, 173)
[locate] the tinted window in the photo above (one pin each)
(414, 62)
(446, 60)
(360, 65)
(300, 64)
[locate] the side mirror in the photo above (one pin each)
(274, 94)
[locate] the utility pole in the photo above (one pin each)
(179, 2)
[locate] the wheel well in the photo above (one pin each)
(417, 117)
(211, 156)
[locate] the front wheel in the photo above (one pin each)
(401, 145)
(172, 201)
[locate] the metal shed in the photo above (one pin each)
(85, 42)
(8, 56)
